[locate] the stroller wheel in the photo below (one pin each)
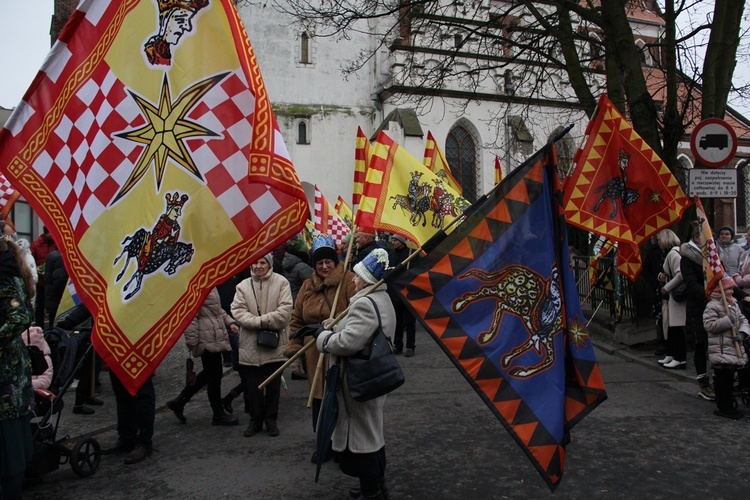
(85, 457)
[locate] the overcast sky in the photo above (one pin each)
(25, 42)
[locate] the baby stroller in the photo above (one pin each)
(50, 452)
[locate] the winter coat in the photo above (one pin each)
(208, 330)
(671, 267)
(34, 336)
(691, 268)
(296, 271)
(359, 427)
(729, 253)
(55, 282)
(15, 366)
(274, 300)
(364, 252)
(312, 307)
(721, 345)
(742, 278)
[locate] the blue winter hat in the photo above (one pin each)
(323, 247)
(372, 268)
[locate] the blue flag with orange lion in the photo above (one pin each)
(499, 297)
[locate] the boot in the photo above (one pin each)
(726, 405)
(226, 401)
(705, 391)
(177, 405)
(221, 418)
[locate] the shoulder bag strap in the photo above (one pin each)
(377, 312)
(257, 304)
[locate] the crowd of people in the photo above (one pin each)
(712, 324)
(285, 296)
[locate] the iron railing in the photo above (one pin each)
(612, 292)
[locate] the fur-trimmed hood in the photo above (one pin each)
(690, 252)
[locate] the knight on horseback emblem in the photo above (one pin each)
(151, 250)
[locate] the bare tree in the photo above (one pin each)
(537, 52)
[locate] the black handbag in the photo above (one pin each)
(38, 361)
(268, 338)
(373, 371)
(679, 293)
(265, 338)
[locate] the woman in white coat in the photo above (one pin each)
(358, 437)
(673, 312)
(262, 302)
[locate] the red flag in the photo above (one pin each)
(327, 221)
(152, 154)
(498, 170)
(361, 161)
(713, 269)
(620, 188)
(8, 197)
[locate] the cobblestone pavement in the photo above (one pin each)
(653, 438)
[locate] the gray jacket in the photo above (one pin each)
(359, 427)
(721, 343)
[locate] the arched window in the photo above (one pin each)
(302, 135)
(461, 153)
(304, 49)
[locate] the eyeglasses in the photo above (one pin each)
(325, 262)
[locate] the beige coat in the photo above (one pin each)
(359, 427)
(274, 300)
(675, 311)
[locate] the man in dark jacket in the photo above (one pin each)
(691, 267)
(365, 244)
(40, 249)
(405, 320)
(54, 284)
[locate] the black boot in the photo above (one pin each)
(177, 405)
(221, 418)
(226, 401)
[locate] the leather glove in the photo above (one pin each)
(313, 329)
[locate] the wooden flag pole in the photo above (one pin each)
(321, 356)
(726, 309)
(338, 318)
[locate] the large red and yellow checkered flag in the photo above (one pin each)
(327, 221)
(620, 188)
(150, 150)
(434, 159)
(404, 197)
(362, 154)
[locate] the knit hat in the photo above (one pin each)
(297, 242)
(728, 228)
(323, 247)
(725, 283)
(269, 258)
(400, 238)
(372, 267)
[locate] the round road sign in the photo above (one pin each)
(713, 142)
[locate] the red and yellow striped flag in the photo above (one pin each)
(434, 159)
(362, 156)
(404, 197)
(498, 170)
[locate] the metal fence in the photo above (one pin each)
(613, 293)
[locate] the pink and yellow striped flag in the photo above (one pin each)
(434, 159)
(149, 148)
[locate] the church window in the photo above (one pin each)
(303, 133)
(461, 153)
(304, 49)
